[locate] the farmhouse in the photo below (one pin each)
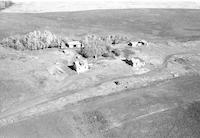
(136, 62)
(80, 65)
(138, 43)
(74, 44)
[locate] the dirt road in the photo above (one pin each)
(168, 109)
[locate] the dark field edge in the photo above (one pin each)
(6, 4)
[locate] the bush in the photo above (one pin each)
(33, 41)
(107, 55)
(116, 52)
(94, 47)
(109, 39)
(115, 39)
(13, 42)
(5, 4)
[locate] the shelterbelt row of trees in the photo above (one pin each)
(5, 4)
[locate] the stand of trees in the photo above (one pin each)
(5, 4)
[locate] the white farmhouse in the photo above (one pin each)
(80, 65)
(74, 44)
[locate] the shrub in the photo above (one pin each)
(107, 55)
(5, 4)
(115, 39)
(116, 52)
(13, 42)
(94, 47)
(109, 39)
(33, 41)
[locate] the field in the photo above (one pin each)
(111, 99)
(164, 24)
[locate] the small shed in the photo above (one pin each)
(74, 44)
(138, 43)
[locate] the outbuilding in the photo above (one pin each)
(138, 43)
(74, 44)
(136, 62)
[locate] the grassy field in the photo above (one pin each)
(182, 25)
